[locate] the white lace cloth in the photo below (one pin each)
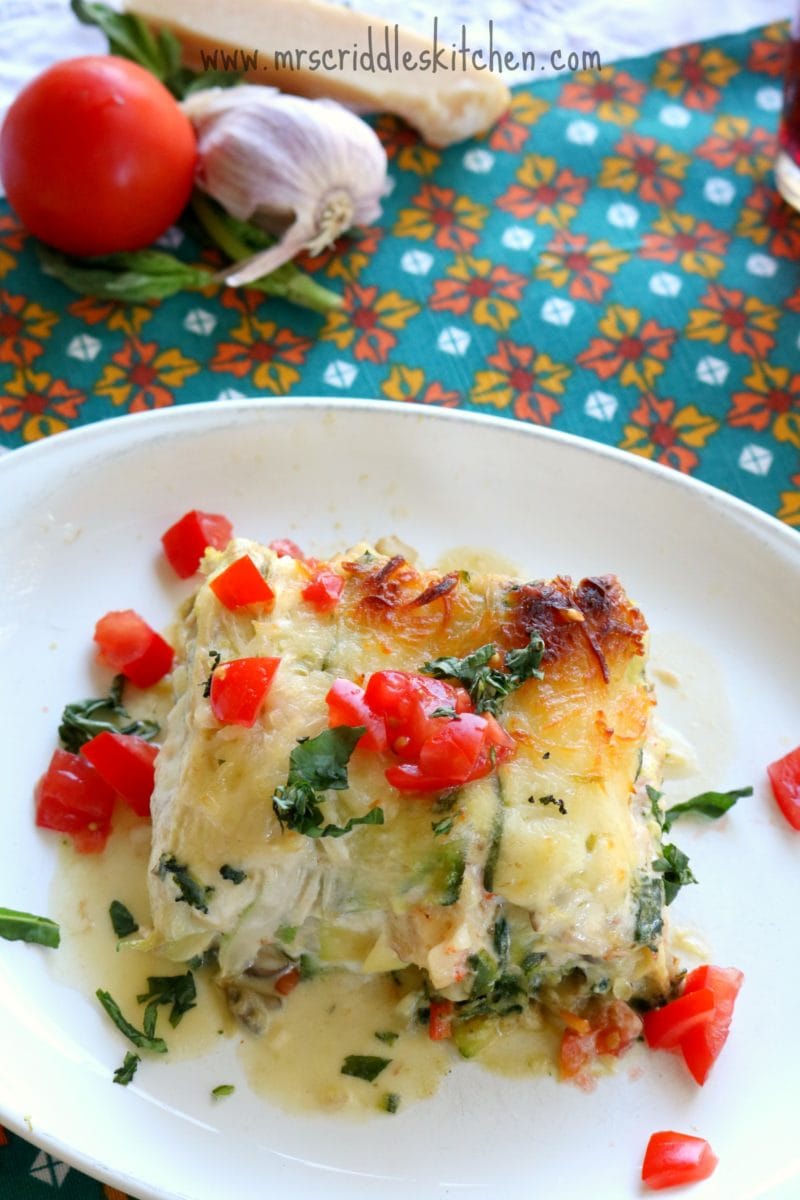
(35, 33)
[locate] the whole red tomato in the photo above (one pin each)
(96, 156)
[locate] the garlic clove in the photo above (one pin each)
(312, 163)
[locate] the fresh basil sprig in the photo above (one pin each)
(317, 765)
(159, 53)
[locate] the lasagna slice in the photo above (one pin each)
(449, 773)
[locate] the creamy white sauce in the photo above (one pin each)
(297, 1062)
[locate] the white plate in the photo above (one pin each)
(80, 518)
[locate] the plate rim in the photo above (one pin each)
(240, 411)
(243, 406)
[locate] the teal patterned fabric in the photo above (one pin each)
(612, 259)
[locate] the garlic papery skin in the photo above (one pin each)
(310, 166)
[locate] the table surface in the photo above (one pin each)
(611, 260)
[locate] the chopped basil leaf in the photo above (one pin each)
(217, 658)
(709, 804)
(318, 764)
(84, 719)
(364, 1066)
(387, 1035)
(390, 1102)
(126, 1072)
(234, 874)
(223, 1089)
(122, 919)
(144, 1041)
(192, 892)
(673, 865)
(488, 686)
(177, 990)
(25, 927)
(443, 826)
(445, 711)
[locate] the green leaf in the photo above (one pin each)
(25, 927)
(319, 764)
(443, 826)
(129, 37)
(143, 1041)
(387, 1035)
(708, 804)
(192, 892)
(84, 719)
(122, 919)
(364, 1066)
(223, 1089)
(177, 990)
(488, 686)
(126, 1072)
(390, 1102)
(134, 277)
(673, 865)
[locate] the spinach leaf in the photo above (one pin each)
(364, 1066)
(488, 686)
(649, 917)
(143, 1041)
(319, 764)
(126, 1072)
(84, 719)
(122, 919)
(192, 892)
(709, 804)
(25, 927)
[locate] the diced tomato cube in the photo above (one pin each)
(701, 1045)
(440, 1021)
(187, 540)
(346, 706)
(241, 585)
(672, 1159)
(324, 590)
(784, 777)
(239, 687)
(127, 764)
(286, 548)
(128, 645)
(71, 797)
(664, 1027)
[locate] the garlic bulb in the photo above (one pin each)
(309, 168)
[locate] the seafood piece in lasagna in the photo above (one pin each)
(372, 767)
